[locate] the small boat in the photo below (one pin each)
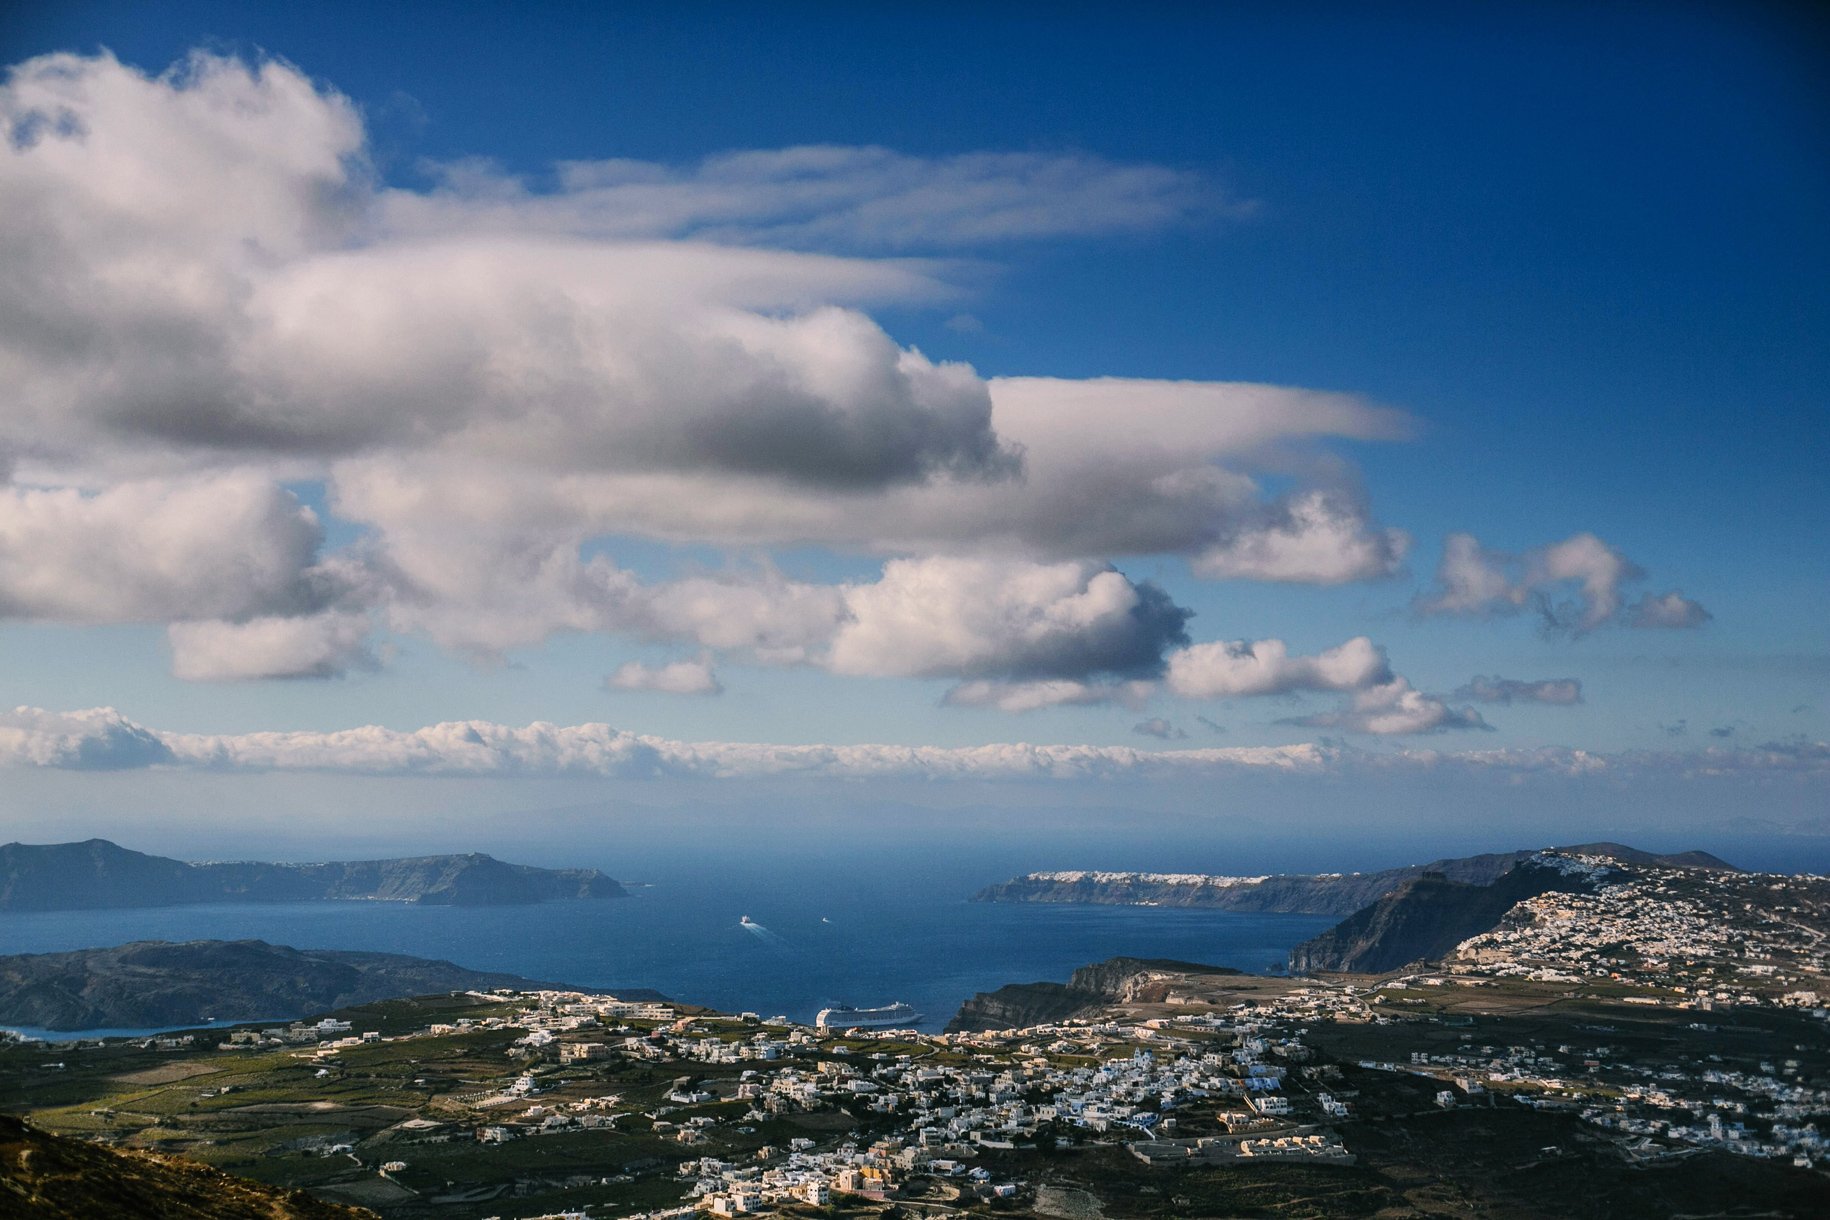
(748, 922)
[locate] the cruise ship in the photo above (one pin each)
(844, 1016)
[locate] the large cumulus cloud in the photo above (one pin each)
(208, 287)
(195, 264)
(949, 617)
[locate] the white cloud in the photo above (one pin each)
(323, 645)
(1558, 691)
(776, 620)
(969, 618)
(1472, 580)
(1381, 702)
(694, 677)
(484, 593)
(227, 546)
(103, 739)
(1318, 537)
(1227, 670)
(821, 195)
(1394, 708)
(98, 739)
(1597, 570)
(1109, 467)
(195, 266)
(1668, 610)
(1045, 693)
(940, 616)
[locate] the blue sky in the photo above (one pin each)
(781, 417)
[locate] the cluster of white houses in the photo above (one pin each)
(1676, 939)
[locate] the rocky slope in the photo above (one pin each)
(1116, 980)
(1427, 916)
(156, 983)
(1293, 893)
(97, 873)
(54, 1177)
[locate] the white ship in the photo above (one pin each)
(844, 1016)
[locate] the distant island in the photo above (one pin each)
(154, 983)
(1297, 893)
(97, 874)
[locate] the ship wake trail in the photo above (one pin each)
(763, 934)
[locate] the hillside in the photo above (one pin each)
(1295, 893)
(156, 983)
(57, 1178)
(1427, 916)
(99, 874)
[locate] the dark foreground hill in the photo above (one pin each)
(54, 1177)
(1298, 893)
(154, 983)
(98, 874)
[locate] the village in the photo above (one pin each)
(1194, 1085)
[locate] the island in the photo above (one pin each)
(1297, 893)
(97, 874)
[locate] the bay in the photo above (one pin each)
(856, 930)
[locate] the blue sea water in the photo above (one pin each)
(857, 931)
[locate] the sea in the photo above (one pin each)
(865, 931)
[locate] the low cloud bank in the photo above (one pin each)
(102, 739)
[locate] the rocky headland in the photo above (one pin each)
(1114, 981)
